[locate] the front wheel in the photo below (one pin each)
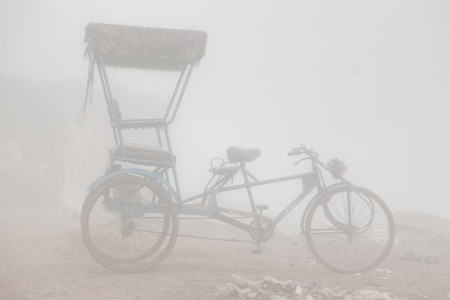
(129, 224)
(349, 230)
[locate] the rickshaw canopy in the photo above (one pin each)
(146, 47)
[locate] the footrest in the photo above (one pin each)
(135, 124)
(222, 170)
(262, 207)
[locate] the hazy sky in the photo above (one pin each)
(367, 81)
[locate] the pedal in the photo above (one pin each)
(262, 207)
(257, 251)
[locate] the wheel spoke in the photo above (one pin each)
(129, 224)
(362, 241)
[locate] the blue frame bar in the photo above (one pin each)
(190, 68)
(174, 94)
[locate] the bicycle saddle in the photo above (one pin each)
(236, 154)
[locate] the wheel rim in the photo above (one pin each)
(350, 244)
(130, 225)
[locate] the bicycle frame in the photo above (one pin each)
(220, 186)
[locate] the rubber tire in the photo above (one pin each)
(380, 203)
(121, 265)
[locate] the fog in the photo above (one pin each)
(363, 82)
(367, 82)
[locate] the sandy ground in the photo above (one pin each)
(42, 256)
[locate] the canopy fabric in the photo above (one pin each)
(146, 47)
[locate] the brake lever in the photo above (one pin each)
(302, 159)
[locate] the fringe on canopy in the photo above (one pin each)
(90, 81)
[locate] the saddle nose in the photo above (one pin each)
(236, 154)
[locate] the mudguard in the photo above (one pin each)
(317, 198)
(140, 172)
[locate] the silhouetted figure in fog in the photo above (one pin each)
(10, 157)
(75, 166)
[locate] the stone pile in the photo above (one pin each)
(273, 289)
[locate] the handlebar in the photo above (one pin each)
(335, 166)
(303, 150)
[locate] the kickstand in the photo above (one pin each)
(258, 249)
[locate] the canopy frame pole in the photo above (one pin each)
(180, 97)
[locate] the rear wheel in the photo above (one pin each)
(349, 229)
(129, 224)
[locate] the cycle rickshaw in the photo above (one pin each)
(130, 217)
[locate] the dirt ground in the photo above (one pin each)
(42, 256)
